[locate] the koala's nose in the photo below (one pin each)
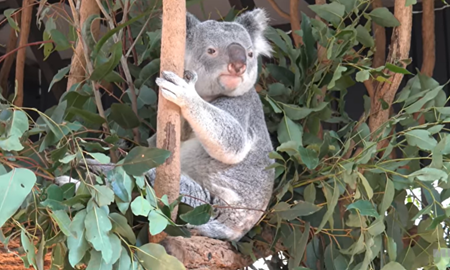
(237, 59)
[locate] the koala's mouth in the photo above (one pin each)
(230, 82)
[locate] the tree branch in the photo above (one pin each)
(173, 42)
(25, 23)
(278, 10)
(203, 253)
(428, 37)
(399, 49)
(294, 19)
(380, 39)
(78, 65)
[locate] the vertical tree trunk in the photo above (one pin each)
(428, 50)
(380, 40)
(173, 42)
(27, 8)
(78, 65)
(295, 22)
(399, 49)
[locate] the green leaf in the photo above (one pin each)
(102, 195)
(97, 226)
(377, 227)
(123, 115)
(61, 41)
(429, 174)
(364, 207)
(397, 69)
(366, 185)
(309, 157)
(122, 185)
(362, 75)
(96, 262)
(16, 185)
(333, 12)
(157, 222)
(363, 36)
(331, 205)
(59, 76)
(63, 221)
(336, 76)
(140, 206)
(310, 193)
(28, 247)
(421, 138)
(199, 215)
(121, 227)
(393, 266)
(87, 116)
(18, 124)
(410, 2)
(149, 70)
(101, 158)
(281, 74)
(383, 17)
(289, 131)
(295, 112)
(301, 209)
(78, 246)
(8, 14)
(124, 262)
(141, 159)
(154, 256)
(388, 197)
(104, 69)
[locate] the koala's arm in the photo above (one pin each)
(222, 126)
(152, 141)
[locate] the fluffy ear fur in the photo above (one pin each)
(191, 22)
(256, 22)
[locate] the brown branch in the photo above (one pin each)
(9, 60)
(380, 40)
(294, 19)
(278, 10)
(173, 42)
(25, 22)
(201, 253)
(399, 49)
(428, 41)
(78, 65)
(428, 50)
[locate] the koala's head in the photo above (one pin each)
(224, 54)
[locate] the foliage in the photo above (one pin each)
(339, 201)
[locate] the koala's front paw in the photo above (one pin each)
(176, 89)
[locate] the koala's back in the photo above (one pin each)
(246, 184)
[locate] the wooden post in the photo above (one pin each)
(173, 42)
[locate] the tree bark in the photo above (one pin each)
(9, 60)
(173, 42)
(203, 253)
(399, 49)
(428, 37)
(25, 22)
(380, 39)
(78, 65)
(294, 19)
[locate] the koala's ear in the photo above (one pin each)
(191, 21)
(256, 22)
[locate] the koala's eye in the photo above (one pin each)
(250, 54)
(211, 51)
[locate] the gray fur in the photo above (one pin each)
(225, 145)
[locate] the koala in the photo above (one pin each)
(225, 141)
